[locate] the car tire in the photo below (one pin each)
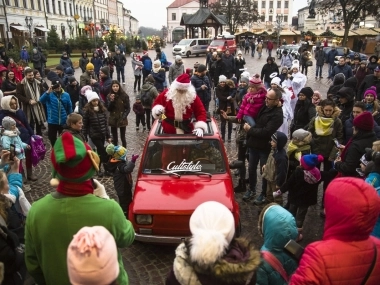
(188, 54)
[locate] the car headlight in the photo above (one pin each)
(219, 49)
(144, 219)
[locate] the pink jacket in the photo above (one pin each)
(252, 109)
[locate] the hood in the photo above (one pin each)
(371, 57)
(351, 82)
(339, 79)
(132, 55)
(147, 86)
(277, 226)
(69, 71)
(5, 103)
(282, 139)
(335, 113)
(346, 92)
(352, 208)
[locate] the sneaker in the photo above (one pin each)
(259, 200)
(248, 195)
(123, 83)
(137, 128)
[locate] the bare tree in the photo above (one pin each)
(238, 12)
(351, 11)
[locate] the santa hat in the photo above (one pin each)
(212, 226)
(92, 257)
(371, 91)
(309, 161)
(364, 121)
(182, 82)
(117, 152)
(74, 164)
(84, 89)
(91, 96)
(276, 80)
(295, 64)
(145, 52)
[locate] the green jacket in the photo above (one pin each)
(52, 223)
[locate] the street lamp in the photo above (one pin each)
(29, 24)
(279, 22)
(71, 27)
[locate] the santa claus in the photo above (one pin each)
(176, 107)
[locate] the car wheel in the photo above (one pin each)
(188, 54)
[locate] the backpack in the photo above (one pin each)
(146, 99)
(38, 149)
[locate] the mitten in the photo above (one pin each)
(134, 157)
(277, 193)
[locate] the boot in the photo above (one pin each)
(30, 175)
(242, 187)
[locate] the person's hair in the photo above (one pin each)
(4, 202)
(35, 72)
(327, 102)
(7, 76)
(150, 79)
(219, 54)
(73, 118)
(28, 70)
(278, 93)
(360, 105)
(90, 108)
(120, 91)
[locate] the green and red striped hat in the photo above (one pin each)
(71, 160)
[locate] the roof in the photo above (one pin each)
(365, 32)
(201, 16)
(180, 3)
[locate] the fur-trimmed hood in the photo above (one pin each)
(334, 115)
(237, 266)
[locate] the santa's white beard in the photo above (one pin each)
(181, 100)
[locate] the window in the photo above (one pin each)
(32, 5)
(24, 4)
(285, 19)
(271, 4)
(263, 4)
(286, 4)
(71, 9)
(263, 18)
(65, 8)
(270, 18)
(278, 4)
(174, 16)
(59, 8)
(39, 5)
(47, 6)
(7, 3)
(53, 6)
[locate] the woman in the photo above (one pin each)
(373, 59)
(108, 61)
(3, 72)
(97, 62)
(119, 108)
(304, 110)
(372, 104)
(83, 61)
(158, 74)
(9, 84)
(137, 67)
(222, 92)
(45, 87)
(16, 70)
(65, 61)
(239, 65)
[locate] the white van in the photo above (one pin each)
(187, 47)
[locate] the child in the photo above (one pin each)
(253, 101)
(316, 99)
(96, 128)
(298, 146)
(140, 113)
(122, 174)
(73, 90)
(303, 188)
(275, 170)
(230, 83)
(74, 124)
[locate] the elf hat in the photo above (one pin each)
(309, 161)
(72, 160)
(117, 152)
(371, 91)
(182, 82)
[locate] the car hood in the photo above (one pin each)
(160, 194)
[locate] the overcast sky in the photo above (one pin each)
(152, 13)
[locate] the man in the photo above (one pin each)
(88, 77)
(147, 62)
(370, 80)
(342, 67)
(202, 85)
(268, 68)
(330, 58)
(120, 62)
(320, 61)
(253, 47)
(28, 93)
(105, 83)
(24, 55)
(209, 57)
(176, 69)
(346, 97)
(56, 218)
(220, 68)
(270, 47)
(229, 62)
(57, 75)
(36, 59)
(269, 119)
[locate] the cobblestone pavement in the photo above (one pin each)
(149, 264)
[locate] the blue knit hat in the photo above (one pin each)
(309, 161)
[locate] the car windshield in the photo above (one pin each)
(217, 43)
(184, 42)
(184, 157)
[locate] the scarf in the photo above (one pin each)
(75, 189)
(36, 111)
(312, 176)
(297, 149)
(323, 126)
(156, 69)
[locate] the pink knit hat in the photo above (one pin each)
(372, 91)
(255, 79)
(92, 257)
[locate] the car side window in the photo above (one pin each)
(193, 43)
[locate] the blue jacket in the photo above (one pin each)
(197, 82)
(98, 63)
(278, 226)
(58, 107)
(8, 138)
(376, 229)
(24, 55)
(348, 132)
(14, 181)
(345, 69)
(147, 62)
(66, 62)
(22, 124)
(330, 57)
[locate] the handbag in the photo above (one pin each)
(309, 63)
(37, 148)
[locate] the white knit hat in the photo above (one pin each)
(91, 96)
(276, 80)
(296, 64)
(157, 62)
(8, 122)
(212, 226)
(178, 57)
(245, 74)
(222, 78)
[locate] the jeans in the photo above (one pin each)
(267, 85)
(137, 82)
(250, 121)
(256, 156)
(53, 130)
(140, 118)
(122, 136)
(318, 69)
(223, 128)
(252, 52)
(331, 66)
(304, 68)
(148, 115)
(120, 72)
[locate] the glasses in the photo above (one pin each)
(269, 99)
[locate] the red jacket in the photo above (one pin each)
(270, 45)
(345, 254)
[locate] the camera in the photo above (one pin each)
(12, 150)
(294, 249)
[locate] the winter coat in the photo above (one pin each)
(320, 57)
(239, 64)
(235, 267)
(73, 91)
(229, 62)
(303, 113)
(120, 60)
(66, 62)
(83, 61)
(345, 69)
(197, 81)
(136, 65)
(252, 109)
(121, 173)
(21, 122)
(24, 55)
(368, 81)
(348, 131)
(152, 91)
(175, 70)
(286, 60)
(58, 107)
(351, 160)
(372, 65)
(159, 79)
(119, 110)
(222, 92)
(267, 122)
(8, 86)
(85, 79)
(360, 74)
(37, 60)
(105, 87)
(95, 125)
(346, 108)
(9, 137)
(259, 47)
(212, 68)
(147, 62)
(268, 69)
(277, 226)
(330, 57)
(97, 62)
(138, 108)
(324, 145)
(346, 252)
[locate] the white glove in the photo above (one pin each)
(229, 98)
(159, 112)
(277, 193)
(198, 132)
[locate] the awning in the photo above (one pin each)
(20, 28)
(365, 32)
(43, 29)
(287, 33)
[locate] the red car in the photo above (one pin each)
(166, 195)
